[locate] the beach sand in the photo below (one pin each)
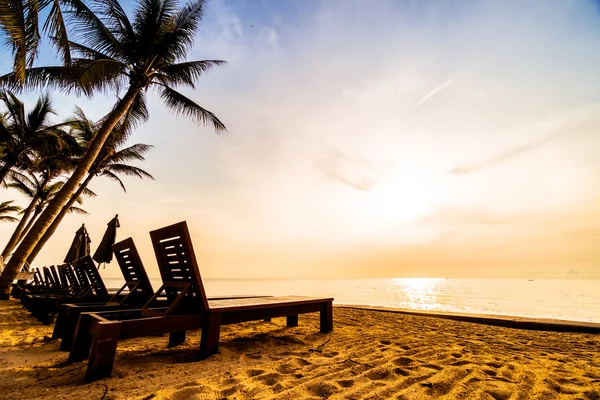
(370, 354)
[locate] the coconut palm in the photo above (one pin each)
(111, 162)
(7, 208)
(39, 191)
(19, 20)
(23, 134)
(118, 53)
(45, 164)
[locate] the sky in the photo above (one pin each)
(372, 139)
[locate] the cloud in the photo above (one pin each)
(581, 120)
(359, 173)
(505, 155)
(438, 89)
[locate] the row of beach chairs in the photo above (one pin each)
(90, 319)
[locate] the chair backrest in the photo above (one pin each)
(178, 267)
(133, 271)
(68, 270)
(48, 278)
(82, 278)
(94, 276)
(37, 277)
(63, 276)
(55, 277)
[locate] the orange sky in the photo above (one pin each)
(389, 141)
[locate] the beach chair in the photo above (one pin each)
(139, 293)
(35, 285)
(135, 292)
(91, 288)
(49, 287)
(97, 334)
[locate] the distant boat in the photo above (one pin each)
(530, 280)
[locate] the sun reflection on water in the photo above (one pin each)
(418, 293)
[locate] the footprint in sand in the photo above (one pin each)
(345, 383)
(400, 371)
(229, 392)
(460, 363)
(194, 392)
(403, 361)
(323, 389)
(286, 368)
(378, 374)
(269, 379)
(254, 372)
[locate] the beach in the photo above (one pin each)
(369, 354)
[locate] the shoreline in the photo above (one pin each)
(506, 321)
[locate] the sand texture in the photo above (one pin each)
(370, 354)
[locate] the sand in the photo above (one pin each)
(370, 354)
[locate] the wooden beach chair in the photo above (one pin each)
(49, 287)
(91, 288)
(137, 286)
(97, 334)
(135, 292)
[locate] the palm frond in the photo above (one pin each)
(38, 116)
(128, 170)
(115, 178)
(77, 210)
(55, 27)
(99, 75)
(6, 207)
(12, 22)
(87, 25)
(52, 77)
(182, 105)
(135, 152)
(186, 73)
(178, 35)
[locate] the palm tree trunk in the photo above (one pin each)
(52, 228)
(24, 222)
(62, 197)
(14, 239)
(33, 218)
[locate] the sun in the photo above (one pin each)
(402, 198)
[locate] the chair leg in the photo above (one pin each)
(82, 340)
(292, 320)
(59, 326)
(176, 338)
(104, 349)
(211, 330)
(326, 317)
(70, 327)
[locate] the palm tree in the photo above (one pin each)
(23, 134)
(118, 53)
(40, 192)
(19, 20)
(111, 162)
(48, 162)
(6, 208)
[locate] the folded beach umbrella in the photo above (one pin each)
(104, 252)
(80, 246)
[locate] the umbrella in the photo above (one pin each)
(104, 252)
(80, 246)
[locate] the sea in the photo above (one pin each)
(566, 299)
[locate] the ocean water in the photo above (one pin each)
(573, 299)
